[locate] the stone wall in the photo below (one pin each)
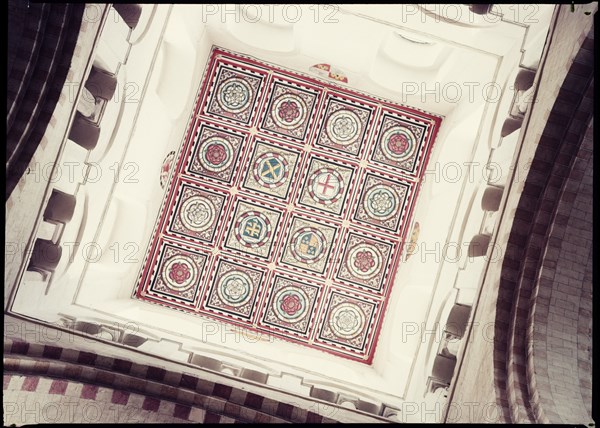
(538, 210)
(493, 382)
(560, 332)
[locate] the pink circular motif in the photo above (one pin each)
(398, 144)
(166, 168)
(288, 111)
(364, 261)
(179, 273)
(290, 304)
(216, 154)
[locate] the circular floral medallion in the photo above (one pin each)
(347, 320)
(308, 245)
(197, 213)
(325, 186)
(398, 143)
(179, 273)
(216, 154)
(290, 304)
(364, 261)
(253, 229)
(234, 95)
(381, 202)
(289, 111)
(270, 170)
(343, 127)
(235, 288)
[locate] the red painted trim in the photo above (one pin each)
(324, 90)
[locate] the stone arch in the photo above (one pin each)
(525, 384)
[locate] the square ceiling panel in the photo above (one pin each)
(288, 206)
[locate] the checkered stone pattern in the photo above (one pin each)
(68, 401)
(115, 390)
(295, 196)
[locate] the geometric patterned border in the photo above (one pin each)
(76, 375)
(288, 206)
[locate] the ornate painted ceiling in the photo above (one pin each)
(287, 206)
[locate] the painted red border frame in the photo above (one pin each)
(202, 96)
